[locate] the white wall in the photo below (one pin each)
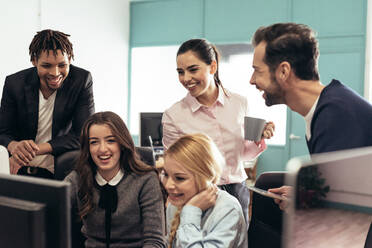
(99, 32)
(16, 34)
(349, 180)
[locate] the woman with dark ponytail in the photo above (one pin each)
(211, 109)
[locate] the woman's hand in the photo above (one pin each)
(205, 199)
(268, 131)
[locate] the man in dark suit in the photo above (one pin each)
(44, 107)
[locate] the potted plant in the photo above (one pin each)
(311, 188)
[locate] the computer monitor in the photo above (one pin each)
(150, 126)
(48, 209)
(343, 215)
(22, 223)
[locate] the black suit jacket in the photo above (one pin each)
(19, 109)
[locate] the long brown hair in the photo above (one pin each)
(129, 159)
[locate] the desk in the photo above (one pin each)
(159, 163)
(250, 168)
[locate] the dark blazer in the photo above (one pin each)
(19, 110)
(342, 120)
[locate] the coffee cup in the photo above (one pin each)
(253, 128)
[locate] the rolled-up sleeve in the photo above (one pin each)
(252, 151)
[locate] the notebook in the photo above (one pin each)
(343, 215)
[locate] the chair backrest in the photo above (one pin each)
(368, 243)
(146, 154)
(265, 228)
(65, 163)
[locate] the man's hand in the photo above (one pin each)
(285, 191)
(14, 167)
(205, 199)
(268, 131)
(23, 151)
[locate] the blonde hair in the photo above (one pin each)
(200, 156)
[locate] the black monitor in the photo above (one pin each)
(150, 126)
(23, 223)
(40, 208)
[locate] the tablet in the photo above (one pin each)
(267, 193)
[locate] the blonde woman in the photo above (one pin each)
(198, 213)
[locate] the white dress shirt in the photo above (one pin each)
(223, 122)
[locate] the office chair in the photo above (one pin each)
(146, 154)
(368, 243)
(66, 162)
(265, 228)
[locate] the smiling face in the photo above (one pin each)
(104, 150)
(263, 79)
(179, 182)
(195, 75)
(52, 70)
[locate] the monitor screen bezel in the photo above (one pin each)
(142, 137)
(22, 223)
(54, 194)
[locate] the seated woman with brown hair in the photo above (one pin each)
(198, 213)
(116, 195)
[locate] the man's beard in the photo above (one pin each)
(276, 94)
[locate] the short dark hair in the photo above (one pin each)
(206, 52)
(48, 39)
(291, 42)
